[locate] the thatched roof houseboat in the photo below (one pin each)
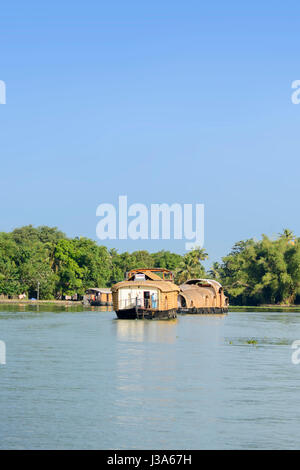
(202, 296)
(146, 293)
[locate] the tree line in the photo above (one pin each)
(253, 273)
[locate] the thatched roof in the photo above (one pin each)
(100, 290)
(198, 292)
(201, 283)
(197, 295)
(149, 274)
(163, 286)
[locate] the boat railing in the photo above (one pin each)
(126, 303)
(137, 302)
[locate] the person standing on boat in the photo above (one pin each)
(154, 300)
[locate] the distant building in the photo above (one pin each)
(99, 296)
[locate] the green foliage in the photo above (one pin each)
(190, 266)
(44, 255)
(263, 272)
(252, 341)
(80, 264)
(253, 273)
(167, 260)
(65, 266)
(121, 263)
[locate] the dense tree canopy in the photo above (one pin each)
(254, 272)
(65, 266)
(262, 272)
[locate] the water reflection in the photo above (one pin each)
(145, 367)
(106, 308)
(192, 383)
(52, 307)
(139, 331)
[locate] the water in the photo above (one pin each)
(85, 380)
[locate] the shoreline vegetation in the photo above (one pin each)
(264, 308)
(68, 303)
(43, 263)
(78, 303)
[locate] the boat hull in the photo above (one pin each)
(146, 314)
(203, 311)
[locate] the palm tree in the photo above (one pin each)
(215, 271)
(190, 266)
(287, 234)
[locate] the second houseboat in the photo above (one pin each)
(202, 296)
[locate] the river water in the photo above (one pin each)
(77, 379)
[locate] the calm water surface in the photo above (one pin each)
(85, 380)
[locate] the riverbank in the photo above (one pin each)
(40, 302)
(265, 308)
(78, 303)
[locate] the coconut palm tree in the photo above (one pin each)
(215, 271)
(287, 234)
(190, 266)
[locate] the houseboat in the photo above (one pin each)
(202, 296)
(146, 294)
(98, 296)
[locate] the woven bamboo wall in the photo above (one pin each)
(199, 297)
(168, 300)
(115, 300)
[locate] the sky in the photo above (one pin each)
(165, 102)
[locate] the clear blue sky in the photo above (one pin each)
(163, 101)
